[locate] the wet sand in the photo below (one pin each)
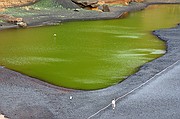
(40, 100)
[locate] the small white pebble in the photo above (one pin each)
(70, 97)
(2, 117)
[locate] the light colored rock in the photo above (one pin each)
(9, 18)
(2, 117)
(22, 24)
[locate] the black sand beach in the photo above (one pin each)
(23, 97)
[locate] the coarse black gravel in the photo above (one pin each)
(23, 97)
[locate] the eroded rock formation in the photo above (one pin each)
(67, 3)
(91, 4)
(87, 3)
(13, 20)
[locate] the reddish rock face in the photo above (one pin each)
(11, 3)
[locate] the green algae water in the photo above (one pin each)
(88, 55)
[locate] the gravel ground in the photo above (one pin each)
(158, 98)
(23, 97)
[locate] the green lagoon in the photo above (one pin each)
(88, 55)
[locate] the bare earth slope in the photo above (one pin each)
(11, 3)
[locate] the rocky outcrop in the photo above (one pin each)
(13, 20)
(104, 4)
(87, 3)
(125, 2)
(129, 1)
(10, 19)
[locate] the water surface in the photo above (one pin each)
(88, 55)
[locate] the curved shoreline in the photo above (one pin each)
(57, 16)
(48, 18)
(29, 93)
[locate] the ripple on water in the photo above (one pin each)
(87, 55)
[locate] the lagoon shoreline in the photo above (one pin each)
(57, 16)
(40, 100)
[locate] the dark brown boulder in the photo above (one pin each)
(105, 8)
